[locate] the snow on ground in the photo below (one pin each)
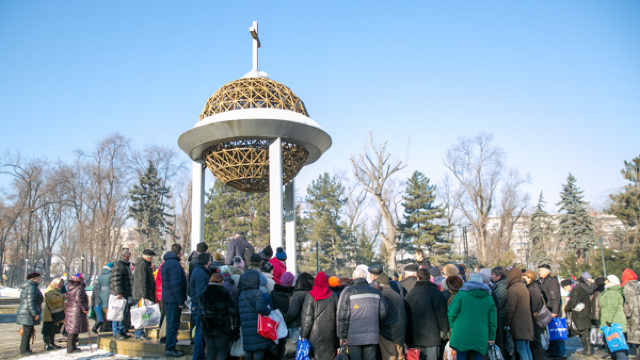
(9, 292)
(85, 354)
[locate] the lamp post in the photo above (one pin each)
(604, 267)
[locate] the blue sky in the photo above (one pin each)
(557, 82)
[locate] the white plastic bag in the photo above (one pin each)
(282, 330)
(116, 308)
(145, 315)
(450, 353)
(237, 348)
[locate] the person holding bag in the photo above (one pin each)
(29, 310)
(581, 314)
(251, 304)
(53, 315)
(612, 311)
(319, 319)
(144, 286)
(76, 313)
(538, 307)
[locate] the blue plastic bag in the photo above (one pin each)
(557, 329)
(99, 314)
(302, 352)
(615, 337)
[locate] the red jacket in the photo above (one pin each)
(159, 284)
(279, 268)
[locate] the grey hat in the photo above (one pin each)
(376, 269)
(585, 275)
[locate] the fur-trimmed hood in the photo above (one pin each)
(472, 285)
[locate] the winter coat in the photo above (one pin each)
(77, 303)
(104, 283)
(500, 288)
(120, 283)
(54, 302)
(472, 317)
(270, 282)
(595, 306)
(279, 268)
(394, 325)
(30, 304)
(144, 285)
(230, 284)
(319, 325)
(281, 296)
(518, 309)
(198, 284)
(215, 300)
(251, 303)
(612, 307)
(537, 301)
(174, 279)
(294, 314)
(580, 294)
(551, 290)
(236, 247)
(427, 315)
(408, 283)
(632, 310)
(360, 310)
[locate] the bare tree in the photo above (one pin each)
(477, 164)
(374, 169)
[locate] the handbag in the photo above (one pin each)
(267, 327)
(543, 317)
(615, 338)
(414, 354)
(557, 329)
(57, 315)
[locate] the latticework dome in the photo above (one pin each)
(253, 93)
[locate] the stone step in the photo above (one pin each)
(147, 349)
(154, 333)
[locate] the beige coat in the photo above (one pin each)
(53, 300)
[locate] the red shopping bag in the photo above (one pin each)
(412, 354)
(267, 327)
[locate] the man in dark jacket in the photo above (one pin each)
(217, 307)
(361, 310)
(394, 325)
(428, 324)
(421, 261)
(120, 287)
(410, 277)
(237, 246)
(144, 285)
(581, 314)
(197, 286)
(29, 310)
(551, 291)
(174, 295)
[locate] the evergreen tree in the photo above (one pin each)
(228, 210)
(325, 198)
(423, 219)
(541, 235)
(575, 230)
(149, 210)
(626, 204)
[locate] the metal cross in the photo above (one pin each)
(256, 43)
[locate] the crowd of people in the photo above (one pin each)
(372, 314)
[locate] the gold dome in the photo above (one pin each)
(253, 93)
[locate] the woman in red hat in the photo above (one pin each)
(29, 310)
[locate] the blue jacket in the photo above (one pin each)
(251, 303)
(174, 279)
(198, 284)
(104, 279)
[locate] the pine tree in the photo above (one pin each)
(626, 204)
(325, 198)
(423, 219)
(575, 230)
(541, 234)
(149, 210)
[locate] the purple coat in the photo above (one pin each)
(77, 304)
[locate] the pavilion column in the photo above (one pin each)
(275, 194)
(290, 227)
(197, 205)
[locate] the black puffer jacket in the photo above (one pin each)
(360, 311)
(304, 284)
(319, 325)
(427, 314)
(143, 281)
(30, 304)
(120, 283)
(281, 296)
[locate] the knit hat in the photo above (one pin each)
(202, 247)
(33, 276)
(268, 251)
(476, 278)
(266, 267)
(109, 265)
(600, 281)
(148, 252)
(613, 280)
(287, 279)
(238, 262)
(280, 254)
(454, 283)
(255, 258)
(334, 282)
(204, 258)
(585, 275)
(568, 282)
(451, 270)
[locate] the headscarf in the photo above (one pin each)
(321, 288)
(628, 275)
(224, 270)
